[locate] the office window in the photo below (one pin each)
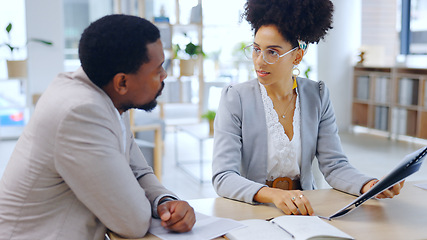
(414, 27)
(78, 14)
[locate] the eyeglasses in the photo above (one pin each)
(269, 55)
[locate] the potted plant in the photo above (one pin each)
(186, 66)
(187, 57)
(210, 116)
(18, 68)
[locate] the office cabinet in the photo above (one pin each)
(390, 99)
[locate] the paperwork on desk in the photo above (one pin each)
(410, 164)
(287, 227)
(206, 227)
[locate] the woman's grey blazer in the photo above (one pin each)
(240, 142)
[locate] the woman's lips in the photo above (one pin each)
(262, 73)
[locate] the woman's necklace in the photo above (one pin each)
(289, 105)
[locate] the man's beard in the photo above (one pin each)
(146, 107)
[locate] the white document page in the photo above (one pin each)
(257, 229)
(206, 227)
(306, 227)
(287, 227)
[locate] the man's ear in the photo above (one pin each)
(298, 57)
(120, 83)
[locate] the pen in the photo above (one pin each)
(327, 218)
(283, 229)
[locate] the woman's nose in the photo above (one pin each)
(259, 60)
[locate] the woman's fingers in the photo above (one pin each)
(295, 203)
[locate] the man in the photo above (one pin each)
(76, 169)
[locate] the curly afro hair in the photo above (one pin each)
(115, 44)
(306, 20)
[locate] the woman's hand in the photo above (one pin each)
(388, 193)
(289, 201)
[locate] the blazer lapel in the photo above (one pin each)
(308, 133)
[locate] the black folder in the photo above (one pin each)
(410, 164)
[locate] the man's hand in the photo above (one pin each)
(177, 216)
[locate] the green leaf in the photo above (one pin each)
(8, 28)
(41, 41)
(307, 72)
(210, 115)
(191, 49)
(11, 48)
(175, 49)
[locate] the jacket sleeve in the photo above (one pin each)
(154, 190)
(227, 152)
(333, 163)
(89, 159)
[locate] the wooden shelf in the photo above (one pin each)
(360, 114)
(391, 99)
(193, 31)
(423, 125)
(169, 30)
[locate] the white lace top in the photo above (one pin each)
(284, 156)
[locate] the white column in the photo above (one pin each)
(336, 56)
(44, 20)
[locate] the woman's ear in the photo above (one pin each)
(298, 57)
(120, 83)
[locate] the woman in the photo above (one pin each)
(268, 130)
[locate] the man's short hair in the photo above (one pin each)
(115, 44)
